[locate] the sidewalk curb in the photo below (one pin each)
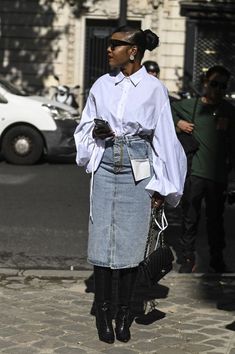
(81, 274)
(45, 273)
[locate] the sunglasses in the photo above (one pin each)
(217, 84)
(113, 43)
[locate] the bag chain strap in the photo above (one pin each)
(158, 223)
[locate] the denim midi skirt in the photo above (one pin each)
(121, 207)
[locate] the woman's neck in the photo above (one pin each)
(130, 68)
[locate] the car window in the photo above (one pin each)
(11, 88)
(3, 99)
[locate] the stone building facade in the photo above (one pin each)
(40, 38)
(162, 17)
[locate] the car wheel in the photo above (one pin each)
(22, 145)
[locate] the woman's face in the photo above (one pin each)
(119, 50)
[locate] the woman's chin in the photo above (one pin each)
(112, 64)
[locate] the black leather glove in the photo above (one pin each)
(101, 133)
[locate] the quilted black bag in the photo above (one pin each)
(158, 255)
(189, 142)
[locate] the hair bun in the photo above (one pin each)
(152, 40)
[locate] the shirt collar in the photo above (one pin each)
(134, 78)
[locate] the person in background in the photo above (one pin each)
(213, 127)
(135, 161)
(152, 68)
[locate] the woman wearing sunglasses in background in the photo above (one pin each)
(213, 127)
(127, 141)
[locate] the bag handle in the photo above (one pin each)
(161, 224)
(194, 109)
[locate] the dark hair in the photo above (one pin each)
(143, 39)
(152, 66)
(219, 69)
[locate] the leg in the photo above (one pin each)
(127, 280)
(191, 209)
(215, 200)
(103, 296)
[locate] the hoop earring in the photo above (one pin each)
(132, 57)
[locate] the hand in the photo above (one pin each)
(185, 126)
(101, 133)
(157, 200)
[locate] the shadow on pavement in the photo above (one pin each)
(231, 326)
(219, 289)
(143, 302)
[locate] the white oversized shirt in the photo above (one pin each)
(137, 104)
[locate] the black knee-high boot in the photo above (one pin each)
(127, 280)
(103, 296)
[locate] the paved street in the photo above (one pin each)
(44, 211)
(44, 216)
(49, 312)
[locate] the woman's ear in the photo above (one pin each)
(134, 50)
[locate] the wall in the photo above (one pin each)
(35, 37)
(43, 37)
(162, 17)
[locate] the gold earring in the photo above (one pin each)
(132, 57)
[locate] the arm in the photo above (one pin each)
(181, 124)
(169, 160)
(84, 140)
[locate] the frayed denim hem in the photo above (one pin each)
(116, 266)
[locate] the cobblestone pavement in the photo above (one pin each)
(49, 312)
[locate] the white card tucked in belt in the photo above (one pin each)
(141, 169)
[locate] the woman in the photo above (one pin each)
(133, 160)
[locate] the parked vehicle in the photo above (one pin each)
(33, 126)
(65, 94)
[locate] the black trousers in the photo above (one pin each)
(197, 188)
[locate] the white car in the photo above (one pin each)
(33, 126)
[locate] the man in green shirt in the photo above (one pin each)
(214, 128)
